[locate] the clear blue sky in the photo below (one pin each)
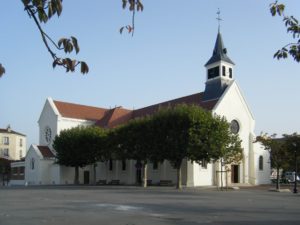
(164, 60)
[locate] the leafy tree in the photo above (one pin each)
(292, 144)
(188, 131)
(293, 27)
(134, 141)
(211, 140)
(41, 11)
(79, 147)
(172, 136)
(278, 154)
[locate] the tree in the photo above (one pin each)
(79, 147)
(188, 131)
(292, 144)
(172, 136)
(278, 154)
(212, 140)
(41, 11)
(134, 141)
(293, 27)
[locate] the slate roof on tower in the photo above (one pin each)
(220, 52)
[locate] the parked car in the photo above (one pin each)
(290, 176)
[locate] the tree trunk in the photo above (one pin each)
(178, 185)
(145, 175)
(278, 180)
(76, 178)
(95, 177)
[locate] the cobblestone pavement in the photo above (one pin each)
(121, 205)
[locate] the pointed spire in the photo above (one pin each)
(220, 52)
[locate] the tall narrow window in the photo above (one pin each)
(123, 164)
(32, 163)
(6, 140)
(204, 164)
(261, 163)
(155, 166)
(110, 162)
(21, 142)
(230, 72)
(6, 152)
(223, 71)
(21, 155)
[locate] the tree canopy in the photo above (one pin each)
(177, 133)
(79, 147)
(293, 27)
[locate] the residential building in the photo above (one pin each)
(12, 144)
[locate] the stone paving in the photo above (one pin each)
(122, 205)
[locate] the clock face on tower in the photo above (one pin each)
(48, 134)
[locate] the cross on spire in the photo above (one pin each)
(219, 19)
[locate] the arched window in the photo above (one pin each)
(261, 163)
(32, 163)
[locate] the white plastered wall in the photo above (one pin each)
(233, 106)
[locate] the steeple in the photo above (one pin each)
(219, 69)
(220, 52)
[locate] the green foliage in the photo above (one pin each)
(134, 5)
(2, 70)
(176, 133)
(277, 148)
(43, 10)
(293, 27)
(80, 146)
(292, 145)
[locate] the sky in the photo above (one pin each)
(163, 60)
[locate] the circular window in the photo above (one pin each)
(234, 126)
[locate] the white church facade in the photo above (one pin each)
(222, 96)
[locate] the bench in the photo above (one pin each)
(114, 182)
(101, 182)
(165, 183)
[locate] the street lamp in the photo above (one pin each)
(295, 180)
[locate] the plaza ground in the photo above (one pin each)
(123, 205)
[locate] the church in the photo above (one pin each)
(222, 96)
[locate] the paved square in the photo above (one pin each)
(137, 206)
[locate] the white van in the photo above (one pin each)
(290, 176)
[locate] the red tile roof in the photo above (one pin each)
(77, 111)
(109, 118)
(114, 117)
(45, 151)
(195, 99)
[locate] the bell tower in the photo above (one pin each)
(219, 69)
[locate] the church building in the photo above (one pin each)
(222, 96)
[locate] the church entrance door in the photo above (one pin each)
(234, 173)
(86, 177)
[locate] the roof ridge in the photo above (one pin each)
(79, 104)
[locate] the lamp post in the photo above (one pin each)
(295, 180)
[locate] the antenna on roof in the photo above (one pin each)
(219, 19)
